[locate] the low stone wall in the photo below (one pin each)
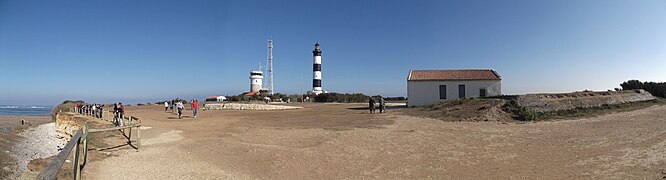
(567, 101)
(67, 123)
(240, 106)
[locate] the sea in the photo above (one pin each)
(24, 110)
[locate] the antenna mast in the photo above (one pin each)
(270, 65)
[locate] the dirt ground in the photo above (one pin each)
(10, 126)
(468, 110)
(343, 141)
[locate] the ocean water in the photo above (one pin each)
(24, 110)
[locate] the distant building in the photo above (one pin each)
(215, 99)
(256, 78)
(431, 86)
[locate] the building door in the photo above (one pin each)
(482, 92)
(461, 91)
(442, 91)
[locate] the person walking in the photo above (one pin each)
(121, 112)
(94, 110)
(180, 107)
(195, 107)
(166, 106)
(173, 103)
(371, 103)
(116, 114)
(101, 111)
(382, 105)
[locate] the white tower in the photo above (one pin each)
(316, 75)
(256, 78)
(270, 66)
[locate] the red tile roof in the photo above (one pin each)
(465, 74)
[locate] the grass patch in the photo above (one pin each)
(524, 114)
(520, 113)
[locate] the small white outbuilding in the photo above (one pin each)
(432, 86)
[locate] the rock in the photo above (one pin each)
(239, 106)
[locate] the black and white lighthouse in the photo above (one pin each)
(316, 75)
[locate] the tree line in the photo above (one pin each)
(655, 88)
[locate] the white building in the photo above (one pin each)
(431, 86)
(256, 78)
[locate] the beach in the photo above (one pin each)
(21, 143)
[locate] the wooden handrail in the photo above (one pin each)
(51, 171)
(114, 128)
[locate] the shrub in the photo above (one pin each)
(67, 105)
(527, 115)
(655, 88)
(395, 98)
(342, 98)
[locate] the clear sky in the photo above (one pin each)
(145, 51)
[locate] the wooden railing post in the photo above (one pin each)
(129, 136)
(77, 171)
(138, 137)
(85, 145)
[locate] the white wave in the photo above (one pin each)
(22, 107)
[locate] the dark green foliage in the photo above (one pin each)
(655, 88)
(521, 113)
(510, 106)
(527, 115)
(67, 105)
(342, 98)
(74, 102)
(395, 99)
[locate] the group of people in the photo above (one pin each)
(382, 105)
(97, 110)
(94, 110)
(179, 106)
(118, 113)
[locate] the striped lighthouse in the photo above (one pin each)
(316, 75)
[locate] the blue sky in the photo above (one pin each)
(145, 51)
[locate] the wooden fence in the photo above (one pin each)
(51, 171)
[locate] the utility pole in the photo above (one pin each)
(270, 65)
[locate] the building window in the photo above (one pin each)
(442, 91)
(482, 92)
(461, 91)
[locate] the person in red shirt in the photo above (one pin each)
(195, 107)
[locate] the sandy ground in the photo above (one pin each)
(14, 138)
(343, 141)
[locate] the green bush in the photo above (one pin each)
(527, 115)
(67, 105)
(655, 88)
(342, 98)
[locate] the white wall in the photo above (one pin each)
(427, 92)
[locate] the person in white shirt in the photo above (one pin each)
(180, 106)
(166, 106)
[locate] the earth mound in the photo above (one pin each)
(471, 110)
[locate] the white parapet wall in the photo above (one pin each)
(241, 106)
(566, 101)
